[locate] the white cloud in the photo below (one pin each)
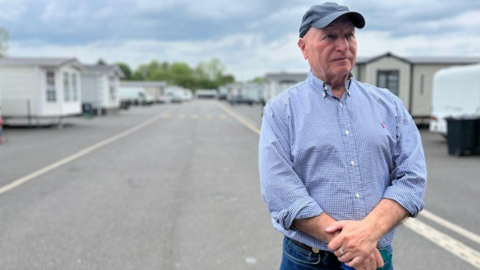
(250, 37)
(15, 11)
(245, 56)
(375, 43)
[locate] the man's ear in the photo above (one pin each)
(301, 44)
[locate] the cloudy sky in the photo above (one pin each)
(251, 37)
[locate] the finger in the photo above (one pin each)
(372, 265)
(357, 263)
(379, 260)
(336, 226)
(336, 242)
(347, 257)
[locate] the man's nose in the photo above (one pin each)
(342, 44)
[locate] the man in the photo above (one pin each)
(341, 162)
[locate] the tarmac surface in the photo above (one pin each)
(175, 186)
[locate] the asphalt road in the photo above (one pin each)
(176, 187)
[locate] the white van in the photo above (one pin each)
(135, 96)
(456, 93)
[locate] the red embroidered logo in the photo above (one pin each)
(383, 125)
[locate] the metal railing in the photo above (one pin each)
(17, 108)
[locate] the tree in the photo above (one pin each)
(259, 80)
(207, 75)
(212, 70)
(211, 74)
(159, 72)
(226, 79)
(3, 41)
(126, 71)
(181, 74)
(101, 62)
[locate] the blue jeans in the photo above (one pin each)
(296, 257)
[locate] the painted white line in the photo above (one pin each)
(447, 224)
(16, 183)
(245, 121)
(451, 245)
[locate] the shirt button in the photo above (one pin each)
(352, 163)
(323, 95)
(357, 195)
(341, 105)
(325, 87)
(347, 132)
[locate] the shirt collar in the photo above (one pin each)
(317, 84)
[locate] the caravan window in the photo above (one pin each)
(74, 87)
(51, 92)
(66, 87)
(388, 79)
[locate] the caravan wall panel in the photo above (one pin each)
(19, 91)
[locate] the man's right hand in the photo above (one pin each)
(371, 262)
(317, 227)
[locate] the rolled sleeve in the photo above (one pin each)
(409, 177)
(282, 189)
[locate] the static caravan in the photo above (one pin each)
(410, 78)
(275, 83)
(206, 93)
(40, 87)
(456, 93)
(252, 92)
(100, 84)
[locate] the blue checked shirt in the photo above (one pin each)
(320, 154)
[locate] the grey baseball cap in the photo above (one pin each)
(320, 16)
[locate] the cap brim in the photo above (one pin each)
(357, 19)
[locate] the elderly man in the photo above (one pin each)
(341, 162)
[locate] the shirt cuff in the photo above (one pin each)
(407, 200)
(300, 209)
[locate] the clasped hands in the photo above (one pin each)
(355, 244)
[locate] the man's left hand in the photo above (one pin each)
(355, 242)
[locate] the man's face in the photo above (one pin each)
(331, 51)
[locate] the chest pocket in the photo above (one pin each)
(374, 136)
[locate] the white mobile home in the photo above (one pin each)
(206, 93)
(410, 78)
(40, 87)
(100, 85)
(275, 83)
(251, 91)
(456, 93)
